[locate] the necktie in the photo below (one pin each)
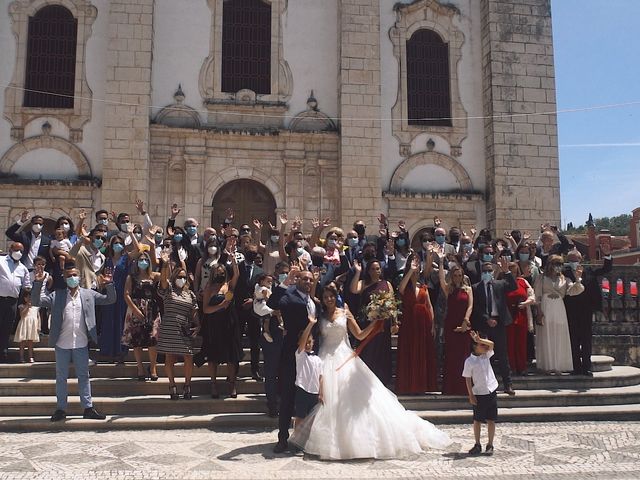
(489, 299)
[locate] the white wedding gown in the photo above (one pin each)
(360, 417)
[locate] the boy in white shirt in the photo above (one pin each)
(308, 376)
(482, 386)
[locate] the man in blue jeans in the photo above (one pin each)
(73, 323)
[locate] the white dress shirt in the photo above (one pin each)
(478, 368)
(308, 371)
(13, 276)
(311, 306)
(33, 250)
(73, 333)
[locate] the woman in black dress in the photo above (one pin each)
(221, 328)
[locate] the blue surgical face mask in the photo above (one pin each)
(275, 238)
(487, 276)
(191, 230)
(177, 237)
(73, 281)
(332, 242)
(487, 257)
(353, 242)
(143, 264)
(98, 242)
(467, 247)
(573, 265)
(103, 221)
(440, 239)
(401, 242)
(158, 238)
(118, 247)
(300, 251)
(282, 277)
(524, 257)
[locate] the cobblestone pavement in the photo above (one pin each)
(582, 451)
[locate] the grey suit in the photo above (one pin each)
(57, 302)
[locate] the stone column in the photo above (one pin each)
(125, 175)
(523, 187)
(360, 144)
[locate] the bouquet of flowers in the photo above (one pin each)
(383, 305)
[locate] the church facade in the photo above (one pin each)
(320, 108)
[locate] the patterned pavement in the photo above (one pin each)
(584, 450)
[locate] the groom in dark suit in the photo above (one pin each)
(296, 304)
(491, 315)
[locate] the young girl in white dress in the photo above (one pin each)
(27, 330)
(359, 417)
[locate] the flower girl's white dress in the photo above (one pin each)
(360, 417)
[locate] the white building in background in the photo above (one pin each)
(314, 107)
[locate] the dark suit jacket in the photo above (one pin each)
(591, 299)
(246, 284)
(479, 316)
(294, 314)
(24, 238)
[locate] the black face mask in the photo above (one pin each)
(454, 238)
(219, 278)
(250, 257)
(359, 229)
(317, 261)
(368, 256)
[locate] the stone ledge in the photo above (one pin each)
(79, 182)
(471, 196)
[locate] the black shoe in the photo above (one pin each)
(142, 378)
(186, 392)
(257, 377)
(476, 450)
(91, 414)
(281, 447)
(509, 391)
(173, 392)
(58, 415)
(588, 373)
(153, 378)
(575, 372)
(488, 450)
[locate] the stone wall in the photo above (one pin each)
(360, 144)
(128, 95)
(523, 187)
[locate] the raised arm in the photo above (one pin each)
(356, 286)
(305, 334)
(414, 266)
(164, 271)
(354, 328)
(442, 276)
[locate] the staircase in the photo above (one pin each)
(27, 398)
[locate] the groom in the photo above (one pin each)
(295, 302)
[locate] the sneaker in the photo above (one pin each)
(488, 449)
(281, 447)
(267, 336)
(476, 450)
(92, 414)
(58, 415)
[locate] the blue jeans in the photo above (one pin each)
(80, 359)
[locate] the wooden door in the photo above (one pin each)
(248, 199)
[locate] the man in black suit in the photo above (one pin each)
(243, 295)
(580, 308)
(491, 315)
(296, 306)
(35, 242)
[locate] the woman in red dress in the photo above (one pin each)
(518, 302)
(457, 342)
(416, 369)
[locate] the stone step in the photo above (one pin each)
(215, 421)
(152, 405)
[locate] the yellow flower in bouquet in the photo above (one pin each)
(382, 306)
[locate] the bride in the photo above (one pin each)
(358, 417)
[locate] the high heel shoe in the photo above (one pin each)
(173, 391)
(186, 392)
(232, 392)
(153, 378)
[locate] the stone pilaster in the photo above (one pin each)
(360, 145)
(522, 168)
(126, 138)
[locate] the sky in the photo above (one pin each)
(597, 62)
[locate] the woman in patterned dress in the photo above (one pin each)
(179, 326)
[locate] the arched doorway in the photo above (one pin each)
(248, 199)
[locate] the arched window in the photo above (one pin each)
(51, 58)
(246, 46)
(428, 90)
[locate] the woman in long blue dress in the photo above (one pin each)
(112, 316)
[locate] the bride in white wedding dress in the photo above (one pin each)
(359, 416)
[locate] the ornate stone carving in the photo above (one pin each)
(312, 119)
(430, 158)
(75, 118)
(177, 114)
(436, 16)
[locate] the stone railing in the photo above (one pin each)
(617, 329)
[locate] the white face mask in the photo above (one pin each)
(36, 228)
(66, 227)
(16, 255)
(212, 250)
(180, 282)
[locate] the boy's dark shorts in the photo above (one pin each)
(305, 402)
(487, 407)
